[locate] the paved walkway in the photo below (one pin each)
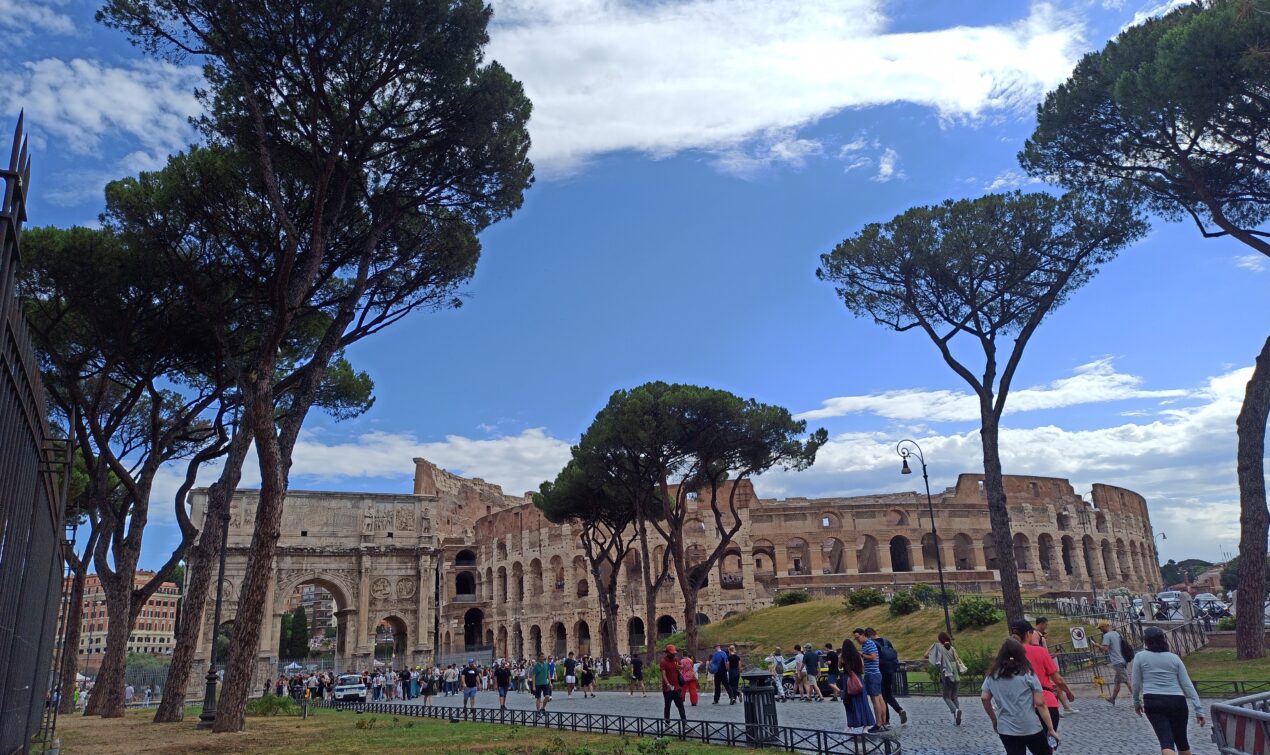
(1098, 729)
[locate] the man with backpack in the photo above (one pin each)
(889, 664)
(1119, 655)
(718, 667)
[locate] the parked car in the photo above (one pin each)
(350, 688)
(1212, 605)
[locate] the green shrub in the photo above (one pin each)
(977, 659)
(272, 705)
(976, 612)
(924, 592)
(869, 596)
(1226, 623)
(791, 597)
(903, 603)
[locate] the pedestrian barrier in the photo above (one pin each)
(709, 732)
(1242, 726)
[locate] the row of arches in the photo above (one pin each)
(557, 640)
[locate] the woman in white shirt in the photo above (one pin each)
(1161, 689)
(1015, 703)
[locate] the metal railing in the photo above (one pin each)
(708, 732)
(31, 532)
(1242, 726)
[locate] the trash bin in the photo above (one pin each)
(759, 698)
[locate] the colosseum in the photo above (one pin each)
(458, 567)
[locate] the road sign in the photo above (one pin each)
(1079, 640)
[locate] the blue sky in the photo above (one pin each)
(694, 159)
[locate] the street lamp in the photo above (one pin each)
(1156, 550)
(208, 716)
(916, 450)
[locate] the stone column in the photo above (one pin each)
(360, 630)
(850, 563)
(884, 556)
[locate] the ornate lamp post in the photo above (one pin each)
(1155, 552)
(208, 716)
(905, 449)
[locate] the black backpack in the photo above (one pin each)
(1126, 649)
(887, 655)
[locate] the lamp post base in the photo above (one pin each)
(208, 716)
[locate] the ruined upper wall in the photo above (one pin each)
(461, 502)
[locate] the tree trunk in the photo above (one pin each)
(1254, 520)
(689, 592)
(231, 710)
(106, 699)
(999, 514)
(608, 625)
(650, 597)
(70, 644)
(202, 563)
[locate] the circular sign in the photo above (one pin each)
(1078, 637)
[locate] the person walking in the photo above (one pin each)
(943, 656)
(1161, 689)
(471, 677)
(671, 687)
(503, 681)
(1114, 646)
(1015, 703)
(872, 675)
(637, 676)
(860, 717)
(570, 674)
(719, 670)
(688, 668)
(1042, 639)
(540, 684)
(734, 674)
(832, 673)
(889, 664)
(776, 665)
(429, 685)
(1044, 667)
(588, 680)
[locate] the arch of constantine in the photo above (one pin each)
(458, 567)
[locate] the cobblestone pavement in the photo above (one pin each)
(1098, 728)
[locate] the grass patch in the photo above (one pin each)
(1219, 664)
(339, 732)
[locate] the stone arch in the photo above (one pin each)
(559, 640)
(473, 629)
(518, 642)
(897, 518)
(518, 582)
(702, 619)
(901, 554)
(764, 554)
(1045, 551)
(1069, 555)
(635, 632)
(501, 648)
(1022, 552)
(398, 628)
(1122, 560)
(1108, 560)
(580, 569)
(830, 521)
(465, 557)
(694, 527)
(1089, 552)
(963, 552)
(1063, 521)
(489, 638)
(798, 555)
(867, 554)
(930, 552)
(448, 644)
(582, 638)
(990, 552)
(583, 588)
(500, 549)
(666, 626)
(535, 578)
(535, 640)
(502, 585)
(731, 574)
(464, 584)
(632, 564)
(487, 592)
(557, 573)
(346, 615)
(1100, 522)
(1138, 562)
(833, 555)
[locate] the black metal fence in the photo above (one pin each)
(709, 732)
(30, 503)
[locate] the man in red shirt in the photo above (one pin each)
(671, 687)
(1043, 666)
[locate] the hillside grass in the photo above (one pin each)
(1219, 664)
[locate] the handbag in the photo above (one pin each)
(854, 685)
(961, 667)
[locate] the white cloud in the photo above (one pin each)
(1091, 383)
(81, 103)
(1157, 10)
(1010, 179)
(1257, 263)
(22, 17)
(888, 166)
(776, 148)
(659, 78)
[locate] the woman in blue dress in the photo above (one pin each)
(859, 709)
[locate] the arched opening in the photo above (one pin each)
(584, 588)
(390, 642)
(963, 552)
(448, 644)
(535, 578)
(582, 638)
(580, 569)
(1045, 551)
(501, 550)
(464, 584)
(1122, 559)
(702, 619)
(1022, 552)
(1135, 562)
(501, 648)
(990, 552)
(764, 554)
(1064, 521)
(731, 577)
(833, 553)
(666, 626)
(465, 557)
(486, 590)
(518, 642)
(1069, 555)
(897, 518)
(330, 620)
(473, 629)
(798, 556)
(901, 559)
(1100, 522)
(930, 552)
(557, 574)
(535, 640)
(635, 632)
(502, 584)
(867, 554)
(1108, 561)
(1090, 552)
(489, 638)
(518, 582)
(559, 640)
